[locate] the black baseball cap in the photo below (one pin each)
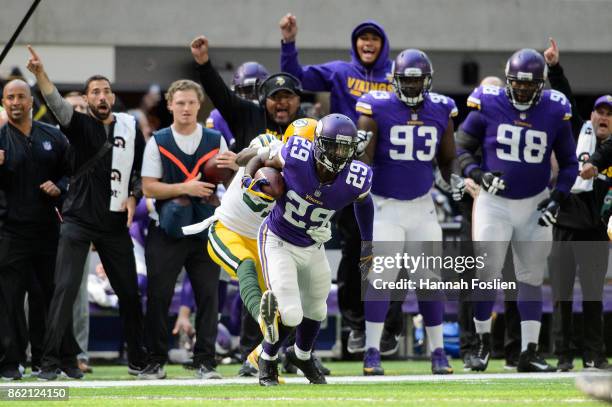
(278, 82)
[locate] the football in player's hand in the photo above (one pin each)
(276, 187)
(214, 174)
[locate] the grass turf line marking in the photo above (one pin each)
(300, 380)
(332, 399)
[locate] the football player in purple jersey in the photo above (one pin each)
(320, 177)
(245, 82)
(411, 127)
(518, 128)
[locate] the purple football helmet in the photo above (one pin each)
(412, 73)
(335, 142)
(247, 78)
(526, 72)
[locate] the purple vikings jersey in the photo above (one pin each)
(519, 144)
(308, 204)
(217, 122)
(407, 142)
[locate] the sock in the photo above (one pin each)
(435, 338)
(373, 334)
(264, 355)
(483, 301)
(250, 292)
(376, 311)
(529, 302)
(272, 349)
(301, 354)
(483, 327)
(432, 311)
(306, 334)
(530, 333)
(483, 310)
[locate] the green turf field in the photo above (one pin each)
(489, 392)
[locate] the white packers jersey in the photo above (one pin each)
(237, 211)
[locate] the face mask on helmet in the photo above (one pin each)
(247, 78)
(335, 142)
(412, 89)
(248, 92)
(412, 76)
(332, 154)
(526, 72)
(523, 94)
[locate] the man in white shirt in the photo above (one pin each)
(172, 173)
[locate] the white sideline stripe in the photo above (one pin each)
(331, 399)
(297, 380)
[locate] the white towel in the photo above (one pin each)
(584, 149)
(123, 158)
(199, 227)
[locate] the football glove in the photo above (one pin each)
(272, 149)
(364, 138)
(550, 209)
(365, 259)
(321, 234)
(490, 181)
(457, 187)
(253, 188)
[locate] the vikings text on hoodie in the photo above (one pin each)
(346, 81)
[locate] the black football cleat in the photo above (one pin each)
(268, 372)
(308, 367)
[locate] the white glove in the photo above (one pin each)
(275, 147)
(272, 149)
(321, 234)
(364, 139)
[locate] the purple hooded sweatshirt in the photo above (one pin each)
(346, 81)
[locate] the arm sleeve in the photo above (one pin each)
(565, 151)
(364, 213)
(467, 141)
(231, 107)
(61, 109)
(316, 78)
(558, 81)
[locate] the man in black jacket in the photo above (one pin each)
(31, 178)
(107, 151)
(279, 100)
(580, 222)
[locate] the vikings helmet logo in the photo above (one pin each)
(280, 81)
